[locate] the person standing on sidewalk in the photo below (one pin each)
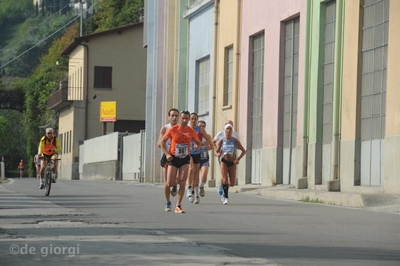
(226, 151)
(173, 117)
(21, 167)
(178, 155)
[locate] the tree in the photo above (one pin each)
(38, 89)
(116, 13)
(43, 4)
(12, 142)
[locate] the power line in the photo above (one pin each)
(15, 58)
(36, 27)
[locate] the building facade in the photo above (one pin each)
(109, 66)
(310, 86)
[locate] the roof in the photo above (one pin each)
(86, 38)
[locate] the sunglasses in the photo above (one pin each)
(49, 133)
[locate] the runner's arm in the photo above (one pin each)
(160, 138)
(163, 141)
(240, 147)
(40, 147)
(58, 146)
(206, 136)
(218, 148)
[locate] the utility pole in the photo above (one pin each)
(81, 14)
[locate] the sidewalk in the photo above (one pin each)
(377, 202)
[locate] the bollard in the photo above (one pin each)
(2, 170)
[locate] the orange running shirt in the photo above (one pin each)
(48, 145)
(180, 140)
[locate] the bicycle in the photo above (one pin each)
(49, 171)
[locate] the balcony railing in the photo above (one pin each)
(59, 99)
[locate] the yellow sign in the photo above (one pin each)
(108, 111)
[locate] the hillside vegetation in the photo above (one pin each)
(39, 66)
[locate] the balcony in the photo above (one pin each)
(59, 99)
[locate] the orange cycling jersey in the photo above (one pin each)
(48, 147)
(180, 140)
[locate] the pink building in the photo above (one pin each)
(272, 85)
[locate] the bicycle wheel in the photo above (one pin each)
(47, 184)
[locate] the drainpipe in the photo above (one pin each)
(237, 53)
(86, 90)
(337, 95)
(214, 94)
(306, 110)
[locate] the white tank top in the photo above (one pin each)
(168, 143)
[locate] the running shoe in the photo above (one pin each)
(220, 190)
(197, 200)
(41, 186)
(226, 200)
(173, 191)
(189, 192)
(168, 206)
(191, 198)
(178, 209)
(202, 192)
(222, 198)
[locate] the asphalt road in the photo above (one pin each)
(124, 223)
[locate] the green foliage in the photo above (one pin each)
(13, 138)
(25, 130)
(38, 88)
(27, 39)
(308, 199)
(12, 11)
(116, 13)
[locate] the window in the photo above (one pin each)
(64, 145)
(70, 141)
(228, 76)
(102, 77)
(290, 82)
(374, 66)
(329, 63)
(61, 142)
(257, 67)
(203, 81)
(67, 147)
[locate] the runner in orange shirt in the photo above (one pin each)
(21, 167)
(178, 156)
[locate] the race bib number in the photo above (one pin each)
(228, 150)
(203, 155)
(192, 145)
(181, 150)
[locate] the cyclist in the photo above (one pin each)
(49, 147)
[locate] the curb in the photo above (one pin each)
(332, 198)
